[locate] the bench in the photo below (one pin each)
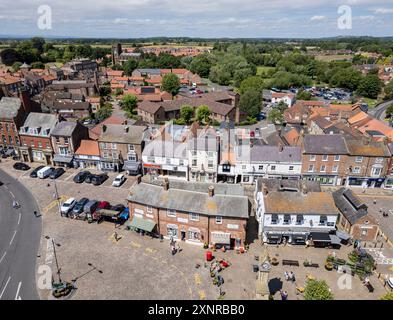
(290, 263)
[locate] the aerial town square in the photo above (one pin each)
(157, 151)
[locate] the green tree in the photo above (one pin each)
(118, 91)
(348, 78)
(130, 66)
(251, 102)
(129, 103)
(389, 111)
(9, 56)
(37, 65)
(171, 83)
(252, 83)
(370, 86)
(104, 112)
(201, 65)
(317, 290)
(186, 113)
(275, 116)
(15, 67)
(303, 95)
(105, 91)
(389, 90)
(203, 114)
(38, 44)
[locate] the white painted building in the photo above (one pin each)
(264, 161)
(203, 155)
(289, 211)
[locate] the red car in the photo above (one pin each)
(101, 205)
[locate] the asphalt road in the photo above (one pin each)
(379, 111)
(20, 233)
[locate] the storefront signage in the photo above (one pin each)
(233, 226)
(182, 220)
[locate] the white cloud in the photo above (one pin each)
(318, 18)
(383, 11)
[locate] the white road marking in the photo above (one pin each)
(12, 194)
(20, 215)
(3, 256)
(17, 297)
(13, 237)
(2, 292)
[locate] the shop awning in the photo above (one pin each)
(334, 239)
(142, 224)
(221, 237)
(343, 235)
(320, 236)
(63, 159)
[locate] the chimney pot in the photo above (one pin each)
(166, 184)
(211, 191)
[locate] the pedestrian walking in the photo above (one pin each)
(116, 236)
(284, 295)
(35, 214)
(286, 275)
(293, 277)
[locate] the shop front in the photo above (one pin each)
(151, 169)
(63, 161)
(325, 180)
(176, 172)
(388, 183)
(365, 182)
(221, 239)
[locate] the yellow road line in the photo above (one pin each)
(197, 279)
(135, 245)
(202, 295)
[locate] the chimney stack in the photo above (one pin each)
(126, 129)
(211, 191)
(104, 128)
(166, 184)
(280, 147)
(264, 189)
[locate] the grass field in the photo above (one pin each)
(262, 69)
(338, 57)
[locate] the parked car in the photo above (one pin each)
(118, 207)
(56, 173)
(33, 174)
(90, 207)
(99, 179)
(96, 214)
(119, 180)
(67, 206)
(81, 176)
(89, 177)
(79, 206)
(45, 172)
(21, 166)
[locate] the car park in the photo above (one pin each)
(119, 180)
(45, 172)
(81, 176)
(56, 173)
(21, 166)
(90, 207)
(95, 216)
(33, 174)
(67, 206)
(99, 179)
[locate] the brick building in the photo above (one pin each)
(195, 213)
(324, 158)
(354, 218)
(35, 138)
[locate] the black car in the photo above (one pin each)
(99, 179)
(81, 176)
(80, 205)
(56, 173)
(21, 166)
(89, 178)
(33, 174)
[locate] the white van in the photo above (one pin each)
(44, 172)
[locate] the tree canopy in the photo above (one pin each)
(171, 83)
(317, 290)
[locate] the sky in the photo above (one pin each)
(196, 18)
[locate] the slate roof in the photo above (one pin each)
(273, 153)
(9, 107)
(44, 121)
(349, 205)
(276, 185)
(190, 201)
(324, 144)
(299, 203)
(64, 129)
(118, 134)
